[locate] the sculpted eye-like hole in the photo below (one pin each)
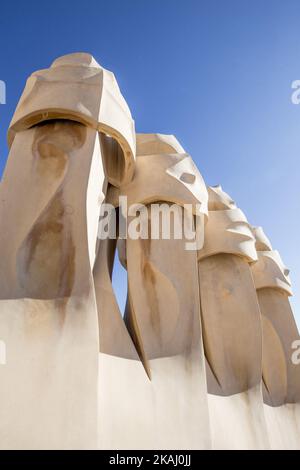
(113, 159)
(286, 271)
(188, 178)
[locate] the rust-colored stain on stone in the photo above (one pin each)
(46, 258)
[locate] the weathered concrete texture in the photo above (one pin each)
(48, 316)
(281, 377)
(231, 320)
(160, 365)
(201, 357)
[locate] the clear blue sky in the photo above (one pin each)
(216, 73)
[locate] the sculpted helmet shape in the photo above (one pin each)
(262, 243)
(164, 172)
(151, 144)
(269, 270)
(227, 229)
(219, 200)
(77, 88)
(271, 278)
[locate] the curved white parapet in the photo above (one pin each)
(169, 175)
(270, 271)
(77, 88)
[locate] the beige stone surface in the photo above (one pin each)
(281, 378)
(163, 319)
(238, 421)
(271, 278)
(77, 88)
(48, 314)
(227, 229)
(230, 305)
(283, 426)
(201, 357)
(136, 412)
(164, 172)
(231, 324)
(71, 133)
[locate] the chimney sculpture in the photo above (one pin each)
(231, 327)
(202, 356)
(163, 309)
(72, 132)
(281, 377)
